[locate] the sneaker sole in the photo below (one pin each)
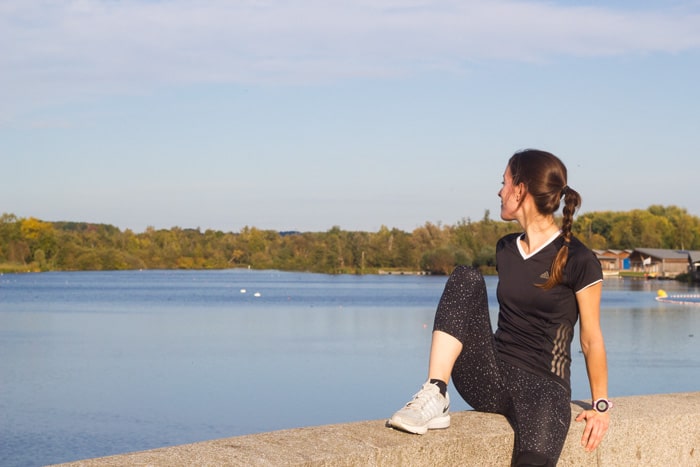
(438, 423)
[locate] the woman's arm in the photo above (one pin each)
(593, 347)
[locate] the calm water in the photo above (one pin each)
(101, 363)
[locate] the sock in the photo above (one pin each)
(440, 384)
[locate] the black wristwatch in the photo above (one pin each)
(602, 405)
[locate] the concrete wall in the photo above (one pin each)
(659, 430)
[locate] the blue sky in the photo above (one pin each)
(307, 114)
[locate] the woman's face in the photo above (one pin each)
(509, 195)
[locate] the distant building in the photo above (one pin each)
(694, 264)
(657, 262)
(613, 261)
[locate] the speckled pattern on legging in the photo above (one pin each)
(537, 407)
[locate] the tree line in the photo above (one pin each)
(30, 244)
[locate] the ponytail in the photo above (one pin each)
(572, 200)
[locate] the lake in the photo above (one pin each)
(100, 363)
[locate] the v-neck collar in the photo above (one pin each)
(544, 245)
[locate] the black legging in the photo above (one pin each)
(537, 407)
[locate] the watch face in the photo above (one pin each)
(602, 405)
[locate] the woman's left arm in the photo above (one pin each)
(593, 347)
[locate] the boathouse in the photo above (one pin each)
(657, 262)
(613, 261)
(695, 265)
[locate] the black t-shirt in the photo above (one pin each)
(536, 326)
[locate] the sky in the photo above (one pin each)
(309, 114)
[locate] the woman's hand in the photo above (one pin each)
(596, 425)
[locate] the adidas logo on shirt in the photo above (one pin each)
(544, 275)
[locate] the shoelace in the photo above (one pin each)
(419, 399)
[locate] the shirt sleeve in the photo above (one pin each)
(584, 269)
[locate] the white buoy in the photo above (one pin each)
(257, 294)
(243, 291)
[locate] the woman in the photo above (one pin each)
(547, 280)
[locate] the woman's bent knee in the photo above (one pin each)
(467, 272)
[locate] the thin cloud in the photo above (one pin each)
(87, 46)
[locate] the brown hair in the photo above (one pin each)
(544, 176)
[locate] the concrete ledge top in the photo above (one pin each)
(645, 430)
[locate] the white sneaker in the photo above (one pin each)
(428, 410)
